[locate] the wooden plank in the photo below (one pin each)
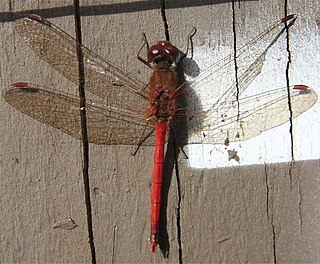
(41, 167)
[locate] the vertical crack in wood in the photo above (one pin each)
(164, 19)
(290, 169)
(267, 189)
(179, 200)
(274, 243)
(172, 148)
(300, 206)
(235, 57)
(270, 215)
(168, 171)
(84, 131)
(114, 244)
(10, 6)
(288, 81)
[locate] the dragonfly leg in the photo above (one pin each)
(144, 88)
(142, 138)
(178, 90)
(145, 40)
(185, 156)
(145, 43)
(190, 36)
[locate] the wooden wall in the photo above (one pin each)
(260, 213)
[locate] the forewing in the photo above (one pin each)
(107, 124)
(217, 84)
(102, 78)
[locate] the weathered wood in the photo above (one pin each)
(252, 214)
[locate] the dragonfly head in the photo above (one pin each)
(163, 55)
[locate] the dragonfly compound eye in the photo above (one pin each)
(163, 51)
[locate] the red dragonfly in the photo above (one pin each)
(133, 113)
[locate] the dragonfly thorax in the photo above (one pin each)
(162, 95)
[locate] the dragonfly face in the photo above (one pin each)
(163, 55)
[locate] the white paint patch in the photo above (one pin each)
(273, 145)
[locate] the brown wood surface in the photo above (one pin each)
(255, 214)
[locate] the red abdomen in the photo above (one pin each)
(162, 101)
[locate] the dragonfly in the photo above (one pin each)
(122, 110)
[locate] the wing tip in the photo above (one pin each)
(288, 17)
(301, 87)
(39, 19)
(20, 85)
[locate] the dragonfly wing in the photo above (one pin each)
(256, 114)
(107, 124)
(217, 84)
(58, 49)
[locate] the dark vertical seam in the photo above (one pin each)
(84, 129)
(267, 189)
(114, 244)
(164, 19)
(178, 208)
(288, 88)
(175, 154)
(235, 56)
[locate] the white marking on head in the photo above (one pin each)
(167, 51)
(155, 51)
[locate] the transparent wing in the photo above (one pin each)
(120, 119)
(106, 123)
(102, 78)
(256, 114)
(214, 94)
(218, 82)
